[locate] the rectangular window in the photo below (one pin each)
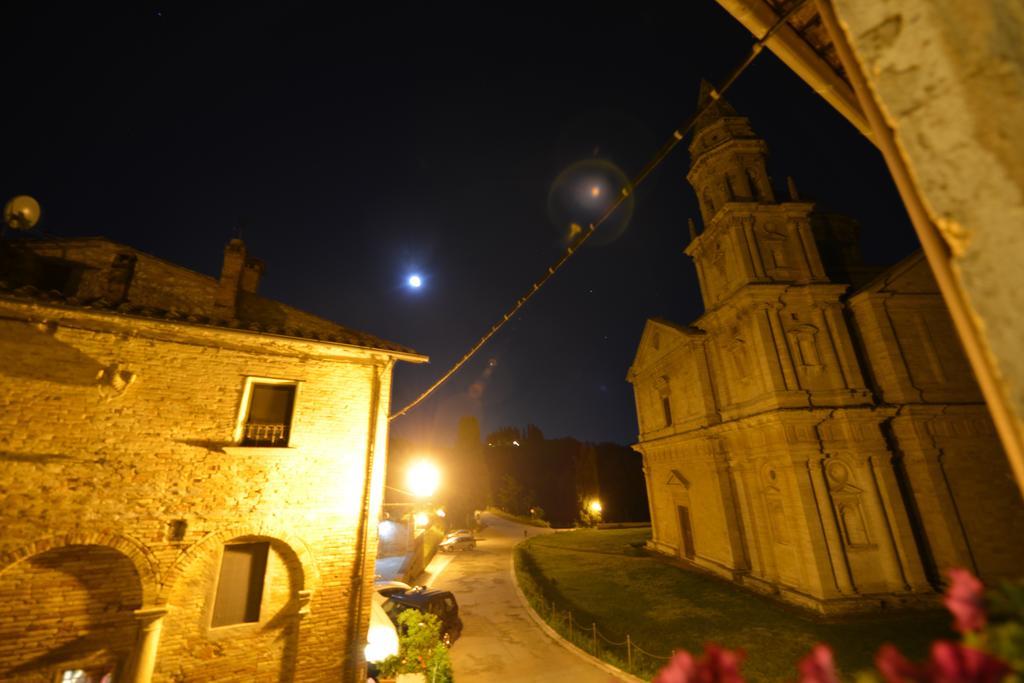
(268, 421)
(666, 407)
(240, 585)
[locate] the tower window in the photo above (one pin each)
(240, 584)
(666, 407)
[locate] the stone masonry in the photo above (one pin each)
(123, 475)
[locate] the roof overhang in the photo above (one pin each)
(806, 47)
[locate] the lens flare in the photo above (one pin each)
(580, 196)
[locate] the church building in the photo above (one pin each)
(817, 434)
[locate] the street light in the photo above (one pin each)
(595, 507)
(423, 478)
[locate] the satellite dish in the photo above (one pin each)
(21, 213)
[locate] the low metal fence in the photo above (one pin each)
(624, 654)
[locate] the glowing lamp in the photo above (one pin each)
(423, 478)
(440, 512)
(595, 506)
(382, 637)
(421, 519)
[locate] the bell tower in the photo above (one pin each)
(749, 236)
(729, 160)
(773, 318)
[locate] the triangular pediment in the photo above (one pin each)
(676, 478)
(659, 338)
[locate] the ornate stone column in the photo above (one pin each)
(151, 623)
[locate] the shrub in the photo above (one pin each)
(419, 649)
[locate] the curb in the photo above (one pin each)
(557, 637)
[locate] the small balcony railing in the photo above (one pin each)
(265, 435)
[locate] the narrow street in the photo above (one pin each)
(500, 642)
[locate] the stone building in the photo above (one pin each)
(190, 473)
(817, 433)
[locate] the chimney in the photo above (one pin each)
(252, 270)
(226, 298)
(119, 278)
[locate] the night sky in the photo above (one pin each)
(357, 143)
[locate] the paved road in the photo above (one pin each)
(500, 642)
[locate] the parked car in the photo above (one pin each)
(440, 603)
(453, 543)
(459, 532)
(387, 588)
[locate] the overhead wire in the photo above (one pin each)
(624, 193)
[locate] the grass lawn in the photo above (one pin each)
(598, 576)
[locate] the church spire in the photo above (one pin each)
(717, 107)
(729, 161)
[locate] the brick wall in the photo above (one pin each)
(84, 458)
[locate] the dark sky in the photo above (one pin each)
(356, 143)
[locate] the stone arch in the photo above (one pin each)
(72, 603)
(290, 546)
(289, 580)
(141, 557)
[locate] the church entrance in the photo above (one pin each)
(686, 532)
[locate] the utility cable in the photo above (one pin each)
(623, 194)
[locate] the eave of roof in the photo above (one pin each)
(341, 336)
(805, 46)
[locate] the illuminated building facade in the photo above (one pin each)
(191, 474)
(817, 434)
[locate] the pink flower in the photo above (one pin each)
(966, 600)
(949, 663)
(680, 669)
(716, 666)
(720, 666)
(818, 666)
(954, 663)
(895, 668)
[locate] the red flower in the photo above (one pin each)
(966, 600)
(680, 669)
(818, 666)
(720, 666)
(949, 663)
(954, 663)
(716, 666)
(895, 668)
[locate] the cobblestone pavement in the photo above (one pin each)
(500, 642)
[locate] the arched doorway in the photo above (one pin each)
(69, 614)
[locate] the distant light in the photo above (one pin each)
(423, 478)
(421, 519)
(415, 281)
(595, 191)
(515, 443)
(440, 512)
(595, 506)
